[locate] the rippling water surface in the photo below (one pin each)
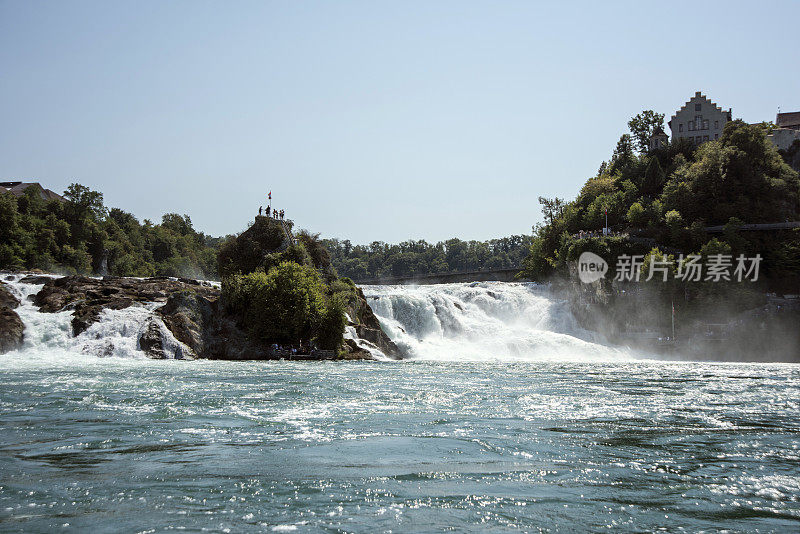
(117, 444)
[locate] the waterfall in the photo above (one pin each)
(483, 321)
(116, 333)
(478, 321)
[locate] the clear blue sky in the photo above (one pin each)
(367, 120)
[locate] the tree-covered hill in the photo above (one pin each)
(668, 197)
(81, 235)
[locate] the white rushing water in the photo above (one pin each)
(48, 336)
(484, 321)
(478, 321)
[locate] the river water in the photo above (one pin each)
(506, 418)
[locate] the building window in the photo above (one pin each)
(697, 107)
(680, 127)
(697, 140)
(691, 125)
(716, 136)
(705, 124)
(716, 125)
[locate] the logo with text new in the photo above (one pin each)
(591, 267)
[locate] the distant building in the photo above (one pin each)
(659, 139)
(789, 121)
(783, 138)
(699, 120)
(787, 131)
(18, 188)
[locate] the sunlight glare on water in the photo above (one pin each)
(362, 447)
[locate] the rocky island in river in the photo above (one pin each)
(184, 310)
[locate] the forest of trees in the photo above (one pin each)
(670, 195)
(81, 235)
(379, 259)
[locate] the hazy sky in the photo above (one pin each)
(367, 120)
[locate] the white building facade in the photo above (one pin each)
(699, 120)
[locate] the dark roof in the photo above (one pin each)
(785, 120)
(658, 131)
(18, 188)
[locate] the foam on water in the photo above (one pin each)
(486, 320)
(48, 336)
(478, 321)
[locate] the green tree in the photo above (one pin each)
(637, 216)
(284, 305)
(653, 180)
(643, 126)
(623, 154)
(552, 208)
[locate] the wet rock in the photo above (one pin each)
(36, 279)
(187, 315)
(196, 320)
(151, 341)
(89, 296)
(7, 299)
(369, 328)
(351, 351)
(11, 330)
(51, 299)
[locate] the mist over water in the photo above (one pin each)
(484, 321)
(507, 417)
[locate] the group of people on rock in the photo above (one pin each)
(585, 234)
(271, 212)
(292, 349)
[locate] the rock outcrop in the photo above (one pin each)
(151, 340)
(197, 321)
(87, 297)
(367, 326)
(11, 330)
(191, 312)
(11, 327)
(7, 299)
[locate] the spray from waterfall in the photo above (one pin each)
(484, 321)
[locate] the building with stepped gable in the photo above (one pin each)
(699, 120)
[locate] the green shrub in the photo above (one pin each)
(285, 305)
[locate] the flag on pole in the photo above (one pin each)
(270, 195)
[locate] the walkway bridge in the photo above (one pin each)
(451, 277)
